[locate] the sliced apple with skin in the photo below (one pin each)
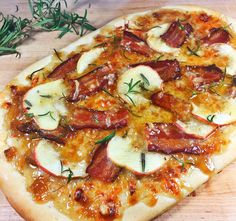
(44, 104)
(130, 82)
(122, 153)
(224, 116)
(156, 43)
(88, 58)
(48, 159)
(196, 128)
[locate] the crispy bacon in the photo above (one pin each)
(204, 17)
(167, 69)
(217, 35)
(178, 107)
(65, 67)
(91, 83)
(101, 167)
(54, 135)
(132, 42)
(203, 75)
(168, 138)
(85, 118)
(177, 33)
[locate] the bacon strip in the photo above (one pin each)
(92, 83)
(86, 118)
(169, 139)
(203, 75)
(177, 33)
(131, 42)
(177, 106)
(65, 67)
(101, 167)
(54, 135)
(167, 69)
(217, 35)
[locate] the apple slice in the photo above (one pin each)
(44, 104)
(156, 43)
(87, 58)
(48, 159)
(196, 128)
(226, 113)
(135, 81)
(121, 152)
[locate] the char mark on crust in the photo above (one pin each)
(132, 42)
(65, 67)
(101, 167)
(93, 82)
(169, 139)
(217, 35)
(167, 69)
(54, 135)
(176, 34)
(180, 108)
(86, 118)
(203, 75)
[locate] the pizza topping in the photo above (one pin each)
(48, 159)
(46, 110)
(53, 135)
(10, 153)
(168, 138)
(167, 69)
(131, 42)
(93, 82)
(134, 82)
(101, 167)
(222, 115)
(204, 17)
(80, 196)
(230, 53)
(65, 67)
(217, 35)
(88, 58)
(85, 118)
(176, 34)
(178, 107)
(122, 153)
(203, 75)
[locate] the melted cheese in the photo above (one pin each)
(44, 103)
(151, 82)
(156, 43)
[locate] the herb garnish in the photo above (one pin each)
(143, 161)
(57, 54)
(182, 162)
(193, 51)
(145, 80)
(107, 138)
(70, 175)
(47, 15)
(181, 27)
(28, 103)
(50, 114)
(45, 96)
(95, 118)
(32, 74)
(29, 115)
(131, 87)
(107, 92)
(210, 117)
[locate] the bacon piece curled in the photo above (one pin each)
(176, 34)
(101, 167)
(131, 42)
(203, 75)
(169, 139)
(178, 107)
(54, 135)
(217, 35)
(86, 118)
(167, 69)
(65, 67)
(91, 83)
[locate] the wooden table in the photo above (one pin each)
(216, 200)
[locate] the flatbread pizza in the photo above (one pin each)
(123, 123)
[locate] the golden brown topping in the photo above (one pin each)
(10, 153)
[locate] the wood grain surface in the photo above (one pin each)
(216, 200)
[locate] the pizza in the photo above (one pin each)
(125, 122)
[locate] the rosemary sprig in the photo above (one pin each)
(50, 114)
(45, 96)
(47, 15)
(70, 175)
(28, 103)
(107, 138)
(210, 118)
(131, 89)
(143, 161)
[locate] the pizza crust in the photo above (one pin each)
(12, 183)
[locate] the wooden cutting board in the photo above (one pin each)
(215, 200)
